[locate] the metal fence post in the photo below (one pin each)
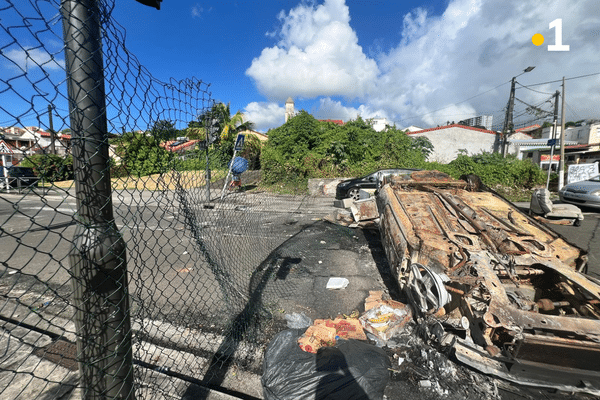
(98, 255)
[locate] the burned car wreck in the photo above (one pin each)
(505, 293)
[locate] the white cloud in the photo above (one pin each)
(197, 11)
(264, 115)
(317, 55)
(438, 62)
(476, 45)
(331, 109)
(27, 58)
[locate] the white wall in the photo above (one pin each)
(448, 141)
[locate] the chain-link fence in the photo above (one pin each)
(129, 267)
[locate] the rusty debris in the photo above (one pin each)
(508, 292)
(364, 210)
(361, 214)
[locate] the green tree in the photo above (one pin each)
(50, 167)
(305, 148)
(423, 145)
(164, 130)
(227, 128)
(142, 155)
(227, 125)
(546, 124)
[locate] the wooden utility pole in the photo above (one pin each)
(508, 119)
(553, 141)
(561, 163)
(51, 128)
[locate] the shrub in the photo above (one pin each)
(50, 167)
(305, 148)
(493, 169)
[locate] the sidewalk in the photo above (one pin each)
(36, 365)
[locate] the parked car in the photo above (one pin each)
(585, 193)
(18, 177)
(351, 187)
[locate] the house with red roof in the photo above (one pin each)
(33, 140)
(450, 139)
(335, 121)
(181, 146)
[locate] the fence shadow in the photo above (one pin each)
(247, 326)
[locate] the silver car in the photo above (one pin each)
(585, 193)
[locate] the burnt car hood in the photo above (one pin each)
(502, 290)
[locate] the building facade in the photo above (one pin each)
(484, 121)
(449, 140)
(289, 109)
(33, 140)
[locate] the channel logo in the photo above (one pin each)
(538, 38)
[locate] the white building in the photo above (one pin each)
(289, 109)
(482, 120)
(448, 140)
(379, 124)
(582, 145)
(411, 128)
(32, 140)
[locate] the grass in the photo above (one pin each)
(514, 194)
(166, 181)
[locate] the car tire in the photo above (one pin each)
(354, 193)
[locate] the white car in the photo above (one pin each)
(585, 193)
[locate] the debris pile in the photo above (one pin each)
(326, 332)
(498, 290)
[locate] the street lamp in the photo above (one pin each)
(508, 120)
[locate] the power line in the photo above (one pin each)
(502, 84)
(536, 107)
(530, 105)
(537, 91)
(454, 104)
(566, 79)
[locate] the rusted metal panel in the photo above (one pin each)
(364, 210)
(515, 281)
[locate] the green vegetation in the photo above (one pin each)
(306, 148)
(141, 155)
(164, 130)
(50, 167)
(494, 170)
(512, 178)
(225, 129)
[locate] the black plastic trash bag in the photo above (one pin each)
(349, 370)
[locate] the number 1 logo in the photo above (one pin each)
(558, 46)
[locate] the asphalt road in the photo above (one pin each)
(179, 252)
(177, 247)
(586, 236)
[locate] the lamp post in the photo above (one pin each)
(508, 120)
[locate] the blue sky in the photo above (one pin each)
(414, 62)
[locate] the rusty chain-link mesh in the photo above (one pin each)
(182, 277)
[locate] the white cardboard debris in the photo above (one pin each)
(337, 283)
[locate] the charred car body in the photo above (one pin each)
(502, 290)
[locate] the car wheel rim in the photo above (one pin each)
(353, 194)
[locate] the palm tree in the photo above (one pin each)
(228, 126)
(226, 129)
